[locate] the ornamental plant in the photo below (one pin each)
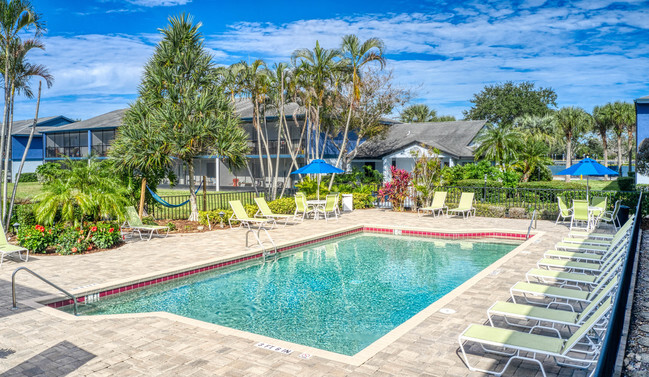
(36, 238)
(73, 241)
(104, 235)
(397, 189)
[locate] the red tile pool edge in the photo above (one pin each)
(405, 232)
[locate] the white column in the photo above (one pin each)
(218, 174)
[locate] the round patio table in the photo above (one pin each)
(318, 206)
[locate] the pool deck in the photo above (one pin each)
(42, 341)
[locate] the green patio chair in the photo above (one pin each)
(596, 246)
(611, 216)
(7, 249)
(331, 206)
(579, 213)
(527, 346)
(465, 207)
(564, 211)
(301, 207)
(599, 201)
(239, 214)
(437, 206)
(134, 223)
(265, 211)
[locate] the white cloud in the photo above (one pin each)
(159, 3)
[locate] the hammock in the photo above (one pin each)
(166, 203)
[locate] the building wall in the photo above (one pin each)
(29, 167)
(642, 130)
(19, 143)
(404, 159)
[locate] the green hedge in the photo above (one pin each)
(28, 177)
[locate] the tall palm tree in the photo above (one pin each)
(318, 67)
(418, 114)
(603, 123)
(16, 16)
(532, 154)
(572, 122)
(499, 144)
(623, 115)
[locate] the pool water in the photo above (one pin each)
(339, 296)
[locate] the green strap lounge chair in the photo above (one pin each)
(572, 279)
(465, 207)
(134, 223)
(578, 245)
(437, 206)
(579, 234)
(579, 213)
(301, 207)
(578, 351)
(539, 317)
(239, 214)
(331, 206)
(265, 211)
(7, 249)
(564, 211)
(591, 266)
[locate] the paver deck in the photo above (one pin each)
(36, 342)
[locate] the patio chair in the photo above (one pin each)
(239, 214)
(611, 216)
(266, 212)
(579, 213)
(134, 223)
(598, 241)
(540, 315)
(7, 249)
(590, 265)
(437, 206)
(574, 279)
(331, 206)
(465, 207)
(619, 236)
(521, 344)
(301, 206)
(564, 211)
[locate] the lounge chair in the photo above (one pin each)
(596, 246)
(239, 214)
(266, 212)
(575, 279)
(134, 223)
(465, 207)
(437, 206)
(539, 315)
(591, 235)
(590, 266)
(564, 211)
(7, 249)
(579, 213)
(523, 343)
(331, 206)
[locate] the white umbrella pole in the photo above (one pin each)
(587, 189)
(318, 186)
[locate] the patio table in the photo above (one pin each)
(318, 206)
(592, 218)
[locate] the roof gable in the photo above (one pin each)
(23, 127)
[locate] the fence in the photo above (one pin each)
(207, 202)
(611, 343)
(543, 200)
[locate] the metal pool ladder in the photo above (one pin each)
(532, 225)
(265, 252)
(13, 287)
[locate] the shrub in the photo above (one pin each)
(72, 241)
(487, 210)
(48, 171)
(171, 226)
(557, 185)
(149, 220)
(397, 189)
(284, 206)
(36, 238)
(23, 214)
(104, 235)
(517, 213)
(626, 183)
(214, 217)
(477, 183)
(363, 200)
(28, 177)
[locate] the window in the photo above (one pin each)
(101, 141)
(67, 144)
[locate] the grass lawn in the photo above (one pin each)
(598, 185)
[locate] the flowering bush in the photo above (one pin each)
(397, 189)
(36, 238)
(104, 235)
(72, 241)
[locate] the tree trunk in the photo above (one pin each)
(192, 195)
(568, 155)
(344, 144)
(255, 122)
(269, 158)
(619, 155)
(5, 115)
(22, 160)
(631, 146)
(6, 176)
(142, 195)
(307, 124)
(605, 145)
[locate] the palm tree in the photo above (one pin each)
(499, 144)
(418, 114)
(318, 69)
(623, 116)
(603, 123)
(532, 155)
(572, 122)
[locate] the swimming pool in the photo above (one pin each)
(339, 296)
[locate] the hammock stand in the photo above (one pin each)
(166, 203)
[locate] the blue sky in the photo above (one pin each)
(590, 52)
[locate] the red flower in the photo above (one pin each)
(89, 247)
(74, 249)
(79, 240)
(111, 230)
(93, 229)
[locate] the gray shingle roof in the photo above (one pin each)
(450, 137)
(23, 127)
(108, 120)
(643, 100)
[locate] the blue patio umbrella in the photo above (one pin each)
(318, 167)
(588, 167)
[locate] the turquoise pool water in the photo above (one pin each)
(339, 296)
